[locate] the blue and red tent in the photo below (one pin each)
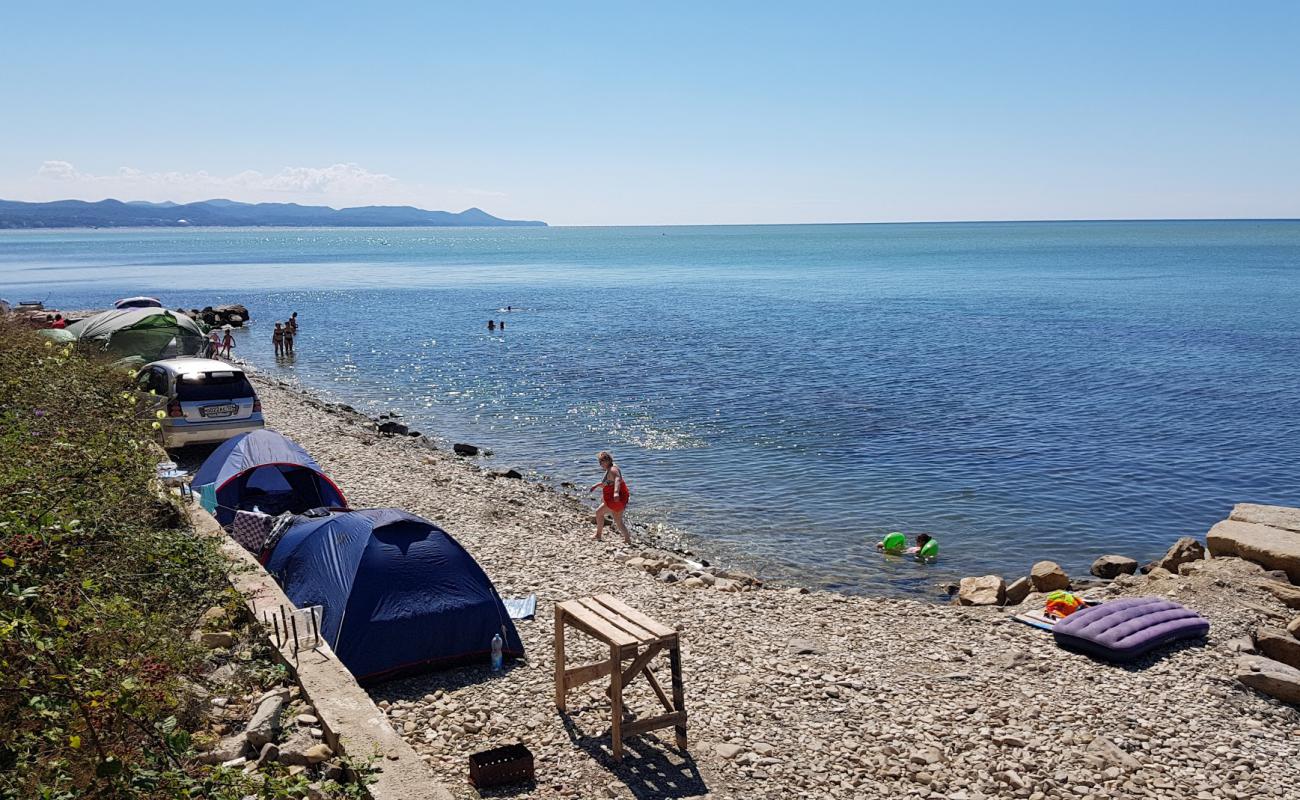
(266, 470)
(398, 593)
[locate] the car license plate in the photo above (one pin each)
(224, 410)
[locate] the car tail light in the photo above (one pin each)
(257, 406)
(174, 409)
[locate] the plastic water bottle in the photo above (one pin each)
(496, 652)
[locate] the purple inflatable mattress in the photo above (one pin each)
(1122, 630)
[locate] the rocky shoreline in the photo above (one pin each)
(817, 693)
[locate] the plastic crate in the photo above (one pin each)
(501, 766)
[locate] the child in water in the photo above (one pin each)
(925, 549)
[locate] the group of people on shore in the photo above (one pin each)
(284, 334)
(221, 343)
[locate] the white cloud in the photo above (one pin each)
(337, 185)
(336, 179)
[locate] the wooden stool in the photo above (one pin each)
(630, 635)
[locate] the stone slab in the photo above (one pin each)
(1274, 548)
(1284, 517)
(1271, 677)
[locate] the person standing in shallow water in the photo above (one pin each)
(614, 494)
(492, 325)
(277, 339)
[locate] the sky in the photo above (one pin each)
(663, 113)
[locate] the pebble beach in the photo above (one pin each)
(806, 694)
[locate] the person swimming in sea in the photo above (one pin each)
(926, 548)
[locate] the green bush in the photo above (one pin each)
(101, 585)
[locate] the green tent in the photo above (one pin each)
(150, 333)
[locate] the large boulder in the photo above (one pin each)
(1113, 566)
(1184, 550)
(1047, 576)
(1271, 677)
(988, 590)
(1273, 547)
(1018, 590)
(1278, 645)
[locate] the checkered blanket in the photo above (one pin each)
(251, 529)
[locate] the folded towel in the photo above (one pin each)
(521, 607)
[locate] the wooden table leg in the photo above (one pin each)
(559, 657)
(679, 695)
(616, 699)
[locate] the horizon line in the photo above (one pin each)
(551, 226)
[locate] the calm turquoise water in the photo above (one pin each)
(1021, 390)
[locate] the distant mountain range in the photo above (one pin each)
(228, 213)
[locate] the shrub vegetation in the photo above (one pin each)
(102, 584)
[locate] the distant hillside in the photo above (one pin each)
(228, 213)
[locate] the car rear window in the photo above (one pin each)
(213, 386)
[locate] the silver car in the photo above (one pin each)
(205, 400)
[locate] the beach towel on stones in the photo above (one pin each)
(521, 607)
(1122, 630)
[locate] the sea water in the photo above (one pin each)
(789, 394)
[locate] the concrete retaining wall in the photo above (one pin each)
(353, 724)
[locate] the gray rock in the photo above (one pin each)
(728, 750)
(1182, 551)
(988, 590)
(506, 473)
(693, 583)
(293, 751)
(1047, 576)
(1244, 645)
(1271, 677)
(1278, 645)
(804, 647)
(265, 724)
(926, 756)
(269, 754)
(462, 449)
(228, 749)
(1113, 566)
(1018, 590)
(1110, 754)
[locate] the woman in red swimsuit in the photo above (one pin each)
(614, 493)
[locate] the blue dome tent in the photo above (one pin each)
(398, 593)
(263, 469)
